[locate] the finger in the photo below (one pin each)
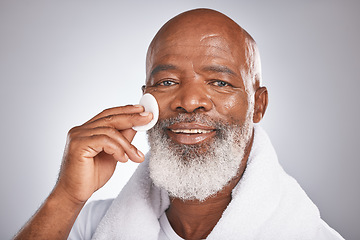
(129, 134)
(128, 109)
(78, 131)
(91, 146)
(122, 121)
(126, 147)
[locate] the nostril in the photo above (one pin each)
(199, 108)
(181, 109)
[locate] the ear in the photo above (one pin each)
(261, 102)
(143, 88)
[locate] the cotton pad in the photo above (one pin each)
(149, 102)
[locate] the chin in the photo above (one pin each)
(186, 171)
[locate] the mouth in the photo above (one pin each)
(190, 133)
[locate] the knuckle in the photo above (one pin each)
(132, 148)
(73, 132)
(113, 131)
(109, 118)
(104, 138)
(134, 116)
(120, 151)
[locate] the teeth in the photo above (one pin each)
(187, 131)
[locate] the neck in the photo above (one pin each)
(192, 219)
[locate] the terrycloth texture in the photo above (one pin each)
(135, 212)
(267, 204)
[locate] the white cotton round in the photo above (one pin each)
(150, 104)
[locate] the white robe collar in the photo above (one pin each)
(267, 204)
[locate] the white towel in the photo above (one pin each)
(266, 204)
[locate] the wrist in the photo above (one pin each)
(61, 196)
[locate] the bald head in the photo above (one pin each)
(215, 29)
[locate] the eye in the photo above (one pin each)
(220, 83)
(166, 83)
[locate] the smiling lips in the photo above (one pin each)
(190, 133)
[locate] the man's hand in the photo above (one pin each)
(94, 148)
(91, 153)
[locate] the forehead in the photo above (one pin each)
(198, 49)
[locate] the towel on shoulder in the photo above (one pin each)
(267, 204)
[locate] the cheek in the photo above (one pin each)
(233, 107)
(164, 104)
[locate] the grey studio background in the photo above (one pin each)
(62, 62)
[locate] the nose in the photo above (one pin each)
(191, 98)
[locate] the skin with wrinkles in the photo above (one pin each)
(199, 62)
(203, 62)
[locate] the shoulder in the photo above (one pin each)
(89, 218)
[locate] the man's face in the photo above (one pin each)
(205, 120)
(197, 74)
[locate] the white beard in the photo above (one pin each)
(187, 171)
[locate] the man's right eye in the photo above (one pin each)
(166, 83)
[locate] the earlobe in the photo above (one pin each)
(260, 105)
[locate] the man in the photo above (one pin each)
(210, 172)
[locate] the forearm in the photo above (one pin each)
(90, 157)
(54, 219)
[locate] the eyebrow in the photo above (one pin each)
(212, 68)
(162, 67)
(219, 69)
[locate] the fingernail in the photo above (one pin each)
(144, 114)
(140, 154)
(138, 106)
